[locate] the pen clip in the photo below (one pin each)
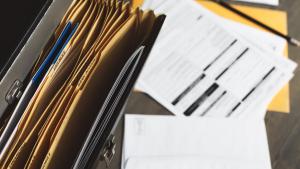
(14, 92)
(109, 151)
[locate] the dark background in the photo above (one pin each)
(16, 18)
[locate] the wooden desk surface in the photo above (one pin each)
(283, 129)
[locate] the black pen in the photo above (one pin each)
(289, 39)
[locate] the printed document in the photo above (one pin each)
(200, 67)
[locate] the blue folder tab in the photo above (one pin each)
(56, 48)
(31, 88)
(66, 42)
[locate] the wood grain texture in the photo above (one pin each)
(283, 129)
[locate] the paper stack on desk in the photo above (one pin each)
(162, 142)
(204, 65)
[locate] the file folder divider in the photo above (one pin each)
(105, 145)
(109, 145)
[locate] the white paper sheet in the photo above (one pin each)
(194, 43)
(186, 163)
(256, 37)
(160, 142)
(267, 2)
